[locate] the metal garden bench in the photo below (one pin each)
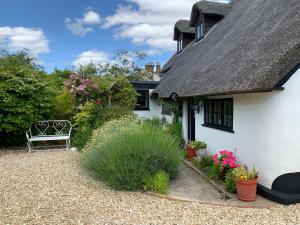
(49, 130)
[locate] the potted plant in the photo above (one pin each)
(191, 150)
(246, 183)
(200, 147)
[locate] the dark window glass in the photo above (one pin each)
(218, 113)
(142, 100)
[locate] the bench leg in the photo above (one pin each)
(29, 146)
(68, 144)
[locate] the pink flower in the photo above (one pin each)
(226, 161)
(224, 152)
(215, 158)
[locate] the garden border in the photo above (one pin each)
(166, 197)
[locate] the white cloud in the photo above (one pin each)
(91, 17)
(92, 56)
(151, 24)
(84, 25)
(20, 38)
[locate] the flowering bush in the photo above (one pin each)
(83, 89)
(224, 161)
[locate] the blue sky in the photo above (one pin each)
(65, 33)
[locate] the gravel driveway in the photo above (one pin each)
(50, 188)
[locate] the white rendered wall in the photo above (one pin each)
(154, 110)
(267, 131)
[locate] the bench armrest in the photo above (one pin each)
(28, 136)
(70, 131)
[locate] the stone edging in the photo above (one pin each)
(153, 194)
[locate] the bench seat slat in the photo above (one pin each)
(48, 138)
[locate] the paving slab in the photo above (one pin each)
(194, 186)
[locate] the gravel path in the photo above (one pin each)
(50, 188)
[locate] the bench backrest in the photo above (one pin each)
(50, 128)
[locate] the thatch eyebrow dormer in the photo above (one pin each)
(205, 14)
(183, 34)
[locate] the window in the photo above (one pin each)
(218, 113)
(142, 100)
(180, 45)
(199, 31)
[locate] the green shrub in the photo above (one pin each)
(215, 171)
(63, 105)
(229, 182)
(81, 137)
(111, 113)
(154, 121)
(123, 93)
(24, 96)
(125, 159)
(206, 162)
(158, 183)
(91, 117)
(109, 131)
(175, 130)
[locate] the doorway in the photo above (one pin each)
(191, 120)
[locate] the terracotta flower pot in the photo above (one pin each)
(191, 152)
(246, 189)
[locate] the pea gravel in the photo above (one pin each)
(51, 188)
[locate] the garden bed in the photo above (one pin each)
(229, 198)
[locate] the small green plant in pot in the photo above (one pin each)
(196, 148)
(246, 183)
(200, 147)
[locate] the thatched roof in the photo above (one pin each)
(182, 26)
(252, 49)
(208, 8)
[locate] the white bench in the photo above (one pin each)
(49, 130)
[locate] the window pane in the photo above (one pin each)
(218, 112)
(219, 118)
(225, 107)
(210, 106)
(142, 99)
(210, 119)
(226, 122)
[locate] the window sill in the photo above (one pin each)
(218, 128)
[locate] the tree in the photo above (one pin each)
(56, 79)
(127, 64)
(24, 93)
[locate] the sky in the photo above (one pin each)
(65, 33)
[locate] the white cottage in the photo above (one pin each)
(239, 83)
